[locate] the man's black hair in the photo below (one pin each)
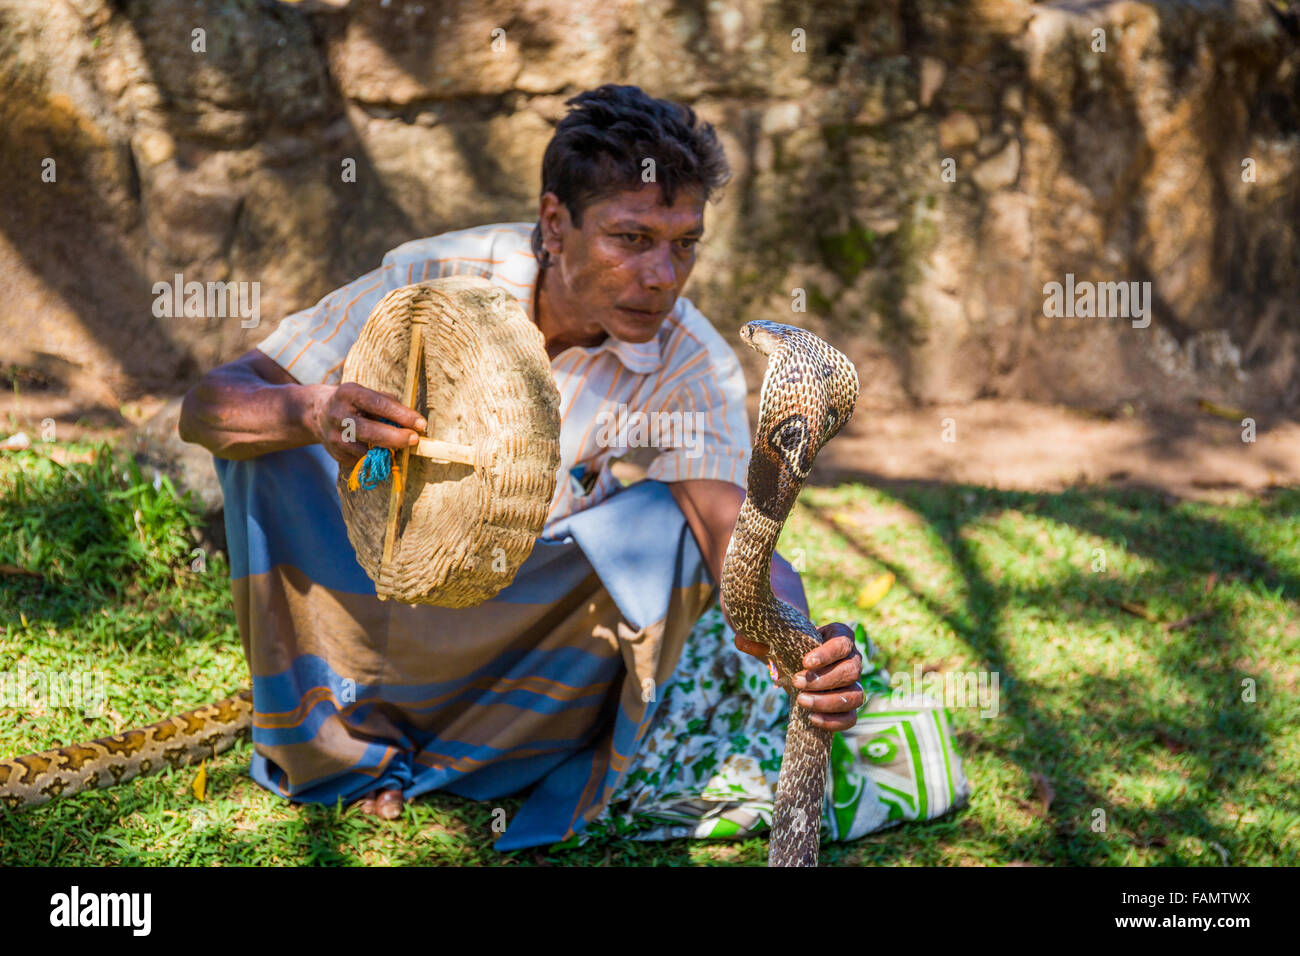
(600, 146)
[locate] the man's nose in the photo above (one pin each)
(659, 271)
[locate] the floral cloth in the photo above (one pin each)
(708, 765)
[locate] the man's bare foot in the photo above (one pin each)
(386, 804)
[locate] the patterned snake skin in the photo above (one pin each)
(174, 742)
(808, 394)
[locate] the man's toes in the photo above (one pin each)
(389, 804)
(366, 804)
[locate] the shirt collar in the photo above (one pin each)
(640, 357)
(643, 357)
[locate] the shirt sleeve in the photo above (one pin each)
(311, 345)
(709, 391)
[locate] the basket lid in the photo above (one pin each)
(463, 531)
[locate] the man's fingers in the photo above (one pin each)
(835, 629)
(831, 677)
(753, 648)
(836, 648)
(377, 433)
(844, 701)
(833, 666)
(380, 405)
(840, 722)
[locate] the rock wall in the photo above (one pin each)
(913, 171)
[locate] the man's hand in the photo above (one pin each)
(252, 407)
(362, 406)
(828, 686)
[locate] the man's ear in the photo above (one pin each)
(554, 217)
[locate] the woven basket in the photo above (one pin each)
(462, 532)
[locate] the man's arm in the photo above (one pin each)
(252, 407)
(829, 687)
(711, 508)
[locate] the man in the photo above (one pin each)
(601, 275)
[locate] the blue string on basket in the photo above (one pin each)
(374, 468)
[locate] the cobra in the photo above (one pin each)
(809, 391)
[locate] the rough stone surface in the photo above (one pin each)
(956, 130)
(1000, 170)
(1171, 157)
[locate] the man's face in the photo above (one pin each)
(622, 271)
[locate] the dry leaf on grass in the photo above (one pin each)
(1191, 619)
(872, 594)
(1171, 743)
(1046, 794)
(1221, 411)
(14, 570)
(1139, 610)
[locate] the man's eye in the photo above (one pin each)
(630, 235)
(688, 243)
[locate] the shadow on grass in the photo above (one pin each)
(1185, 716)
(1188, 705)
(83, 541)
(241, 825)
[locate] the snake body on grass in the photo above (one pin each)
(172, 742)
(809, 391)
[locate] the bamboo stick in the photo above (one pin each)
(446, 451)
(397, 486)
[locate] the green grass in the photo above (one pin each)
(1115, 711)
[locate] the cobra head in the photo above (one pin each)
(809, 391)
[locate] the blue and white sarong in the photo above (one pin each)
(550, 683)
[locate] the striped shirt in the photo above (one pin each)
(682, 393)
